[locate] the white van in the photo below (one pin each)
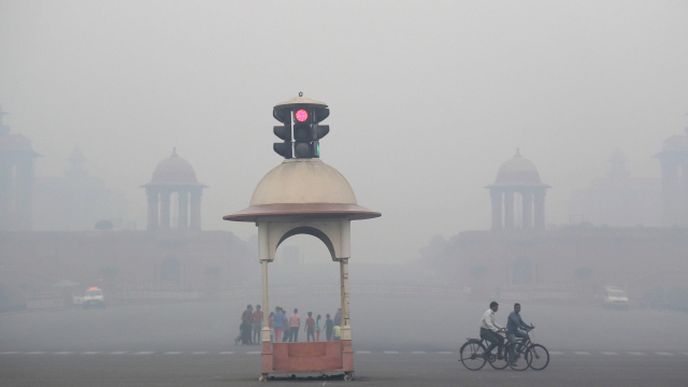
(93, 298)
(615, 298)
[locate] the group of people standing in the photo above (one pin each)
(286, 329)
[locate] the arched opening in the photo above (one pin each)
(303, 277)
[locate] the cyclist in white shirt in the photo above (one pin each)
(489, 330)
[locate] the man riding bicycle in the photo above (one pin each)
(516, 328)
(489, 330)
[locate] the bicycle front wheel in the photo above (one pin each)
(471, 355)
(539, 357)
(522, 359)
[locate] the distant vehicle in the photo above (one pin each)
(93, 298)
(615, 298)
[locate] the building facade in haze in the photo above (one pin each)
(173, 258)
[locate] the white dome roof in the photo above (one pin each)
(517, 171)
(303, 181)
(303, 187)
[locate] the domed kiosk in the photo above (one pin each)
(174, 180)
(303, 195)
(518, 177)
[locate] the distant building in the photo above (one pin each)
(173, 255)
(16, 179)
(518, 259)
(674, 163)
(77, 201)
(518, 196)
(618, 200)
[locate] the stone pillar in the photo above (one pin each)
(266, 358)
(165, 210)
(347, 349)
(509, 210)
(153, 206)
(183, 219)
(195, 223)
(497, 199)
(527, 200)
(540, 209)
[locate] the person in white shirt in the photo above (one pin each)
(489, 330)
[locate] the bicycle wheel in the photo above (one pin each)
(522, 360)
(471, 355)
(496, 362)
(539, 357)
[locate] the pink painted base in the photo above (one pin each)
(324, 356)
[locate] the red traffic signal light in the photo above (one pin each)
(301, 115)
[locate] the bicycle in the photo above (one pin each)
(472, 356)
(539, 355)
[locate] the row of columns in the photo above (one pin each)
(532, 204)
(159, 208)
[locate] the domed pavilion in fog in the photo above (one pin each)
(174, 189)
(518, 190)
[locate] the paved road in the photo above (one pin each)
(373, 368)
(192, 345)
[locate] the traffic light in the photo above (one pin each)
(283, 131)
(308, 132)
(306, 115)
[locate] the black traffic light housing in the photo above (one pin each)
(283, 131)
(306, 116)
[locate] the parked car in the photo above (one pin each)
(615, 297)
(93, 298)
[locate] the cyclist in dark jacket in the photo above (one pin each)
(516, 328)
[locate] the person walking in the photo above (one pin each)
(256, 324)
(294, 325)
(329, 327)
(318, 327)
(271, 325)
(338, 317)
(278, 324)
(309, 327)
(246, 318)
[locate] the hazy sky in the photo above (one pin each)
(427, 98)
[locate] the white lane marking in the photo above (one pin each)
(199, 353)
(143, 353)
(363, 352)
(9, 353)
(637, 353)
(445, 352)
(172, 353)
(36, 353)
(664, 353)
(227, 353)
(581, 353)
(418, 352)
(685, 353)
(90, 352)
(118, 352)
(62, 353)
(610, 353)
(391, 352)
(253, 353)
(556, 353)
